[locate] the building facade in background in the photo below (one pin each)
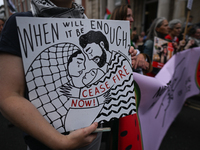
(12, 6)
(144, 11)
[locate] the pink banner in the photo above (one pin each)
(160, 99)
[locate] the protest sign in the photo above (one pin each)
(162, 52)
(160, 99)
(78, 71)
(189, 4)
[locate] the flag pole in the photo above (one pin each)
(189, 7)
(185, 31)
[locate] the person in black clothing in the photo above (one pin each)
(13, 92)
(14, 104)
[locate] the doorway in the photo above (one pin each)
(151, 9)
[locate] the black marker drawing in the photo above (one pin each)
(112, 67)
(169, 93)
(73, 84)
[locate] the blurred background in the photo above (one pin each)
(184, 133)
(144, 11)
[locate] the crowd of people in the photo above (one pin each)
(172, 31)
(40, 135)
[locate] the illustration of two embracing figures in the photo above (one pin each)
(99, 84)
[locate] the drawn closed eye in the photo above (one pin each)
(93, 73)
(79, 63)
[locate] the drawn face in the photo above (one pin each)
(92, 50)
(77, 65)
(89, 76)
(165, 51)
(96, 53)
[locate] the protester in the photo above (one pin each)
(142, 62)
(143, 35)
(124, 12)
(159, 28)
(133, 32)
(191, 36)
(174, 32)
(189, 21)
(138, 42)
(19, 110)
(194, 34)
(13, 90)
(2, 22)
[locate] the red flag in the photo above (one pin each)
(107, 11)
(108, 14)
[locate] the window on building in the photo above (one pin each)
(150, 13)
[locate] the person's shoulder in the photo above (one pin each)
(149, 42)
(8, 42)
(11, 22)
(26, 14)
(20, 14)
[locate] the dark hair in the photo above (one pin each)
(72, 56)
(120, 12)
(190, 16)
(93, 37)
(193, 30)
(3, 20)
(135, 38)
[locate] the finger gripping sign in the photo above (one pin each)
(77, 71)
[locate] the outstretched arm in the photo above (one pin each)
(24, 115)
